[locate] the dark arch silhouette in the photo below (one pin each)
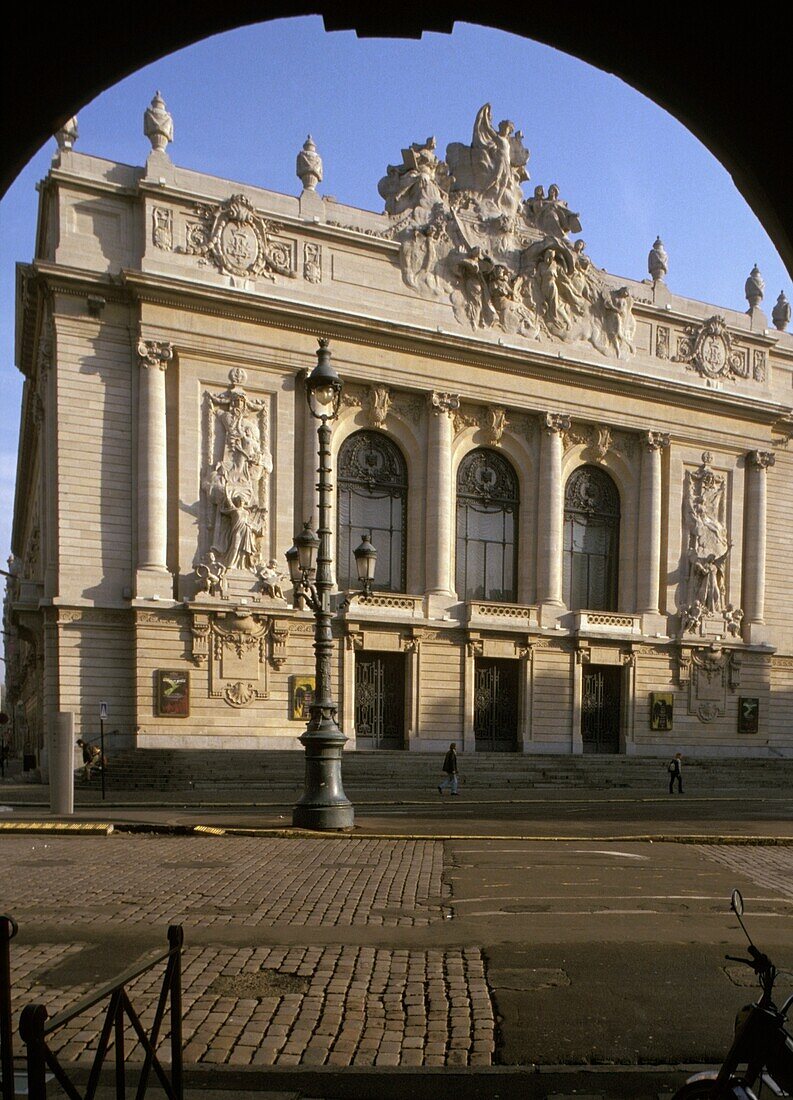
(726, 78)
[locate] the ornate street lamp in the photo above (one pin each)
(324, 804)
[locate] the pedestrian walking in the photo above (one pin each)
(676, 773)
(450, 770)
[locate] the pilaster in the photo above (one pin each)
(649, 544)
(152, 577)
(755, 536)
(439, 517)
(550, 519)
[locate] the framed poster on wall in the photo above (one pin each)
(172, 693)
(301, 696)
(748, 715)
(662, 705)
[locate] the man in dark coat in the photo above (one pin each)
(676, 773)
(450, 770)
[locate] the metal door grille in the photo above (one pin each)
(496, 706)
(380, 700)
(600, 710)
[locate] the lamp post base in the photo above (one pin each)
(324, 804)
(321, 818)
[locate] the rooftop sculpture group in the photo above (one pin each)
(504, 262)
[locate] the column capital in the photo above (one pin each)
(443, 402)
(554, 423)
(154, 353)
(761, 460)
(655, 441)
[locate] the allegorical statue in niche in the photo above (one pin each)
(233, 483)
(704, 511)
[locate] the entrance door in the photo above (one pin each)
(496, 705)
(380, 700)
(600, 709)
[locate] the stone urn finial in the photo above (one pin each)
(780, 315)
(308, 167)
(658, 261)
(158, 124)
(754, 287)
(67, 135)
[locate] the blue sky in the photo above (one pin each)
(244, 101)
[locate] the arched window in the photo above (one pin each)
(487, 516)
(591, 540)
(373, 488)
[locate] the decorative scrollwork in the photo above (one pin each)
(238, 240)
(485, 475)
(708, 349)
(591, 491)
(372, 458)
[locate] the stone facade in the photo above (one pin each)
(167, 458)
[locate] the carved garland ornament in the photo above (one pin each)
(239, 241)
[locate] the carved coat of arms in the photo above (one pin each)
(239, 241)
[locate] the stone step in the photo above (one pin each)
(159, 769)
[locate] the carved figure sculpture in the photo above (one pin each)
(415, 184)
(233, 483)
(465, 234)
(271, 577)
(212, 575)
(704, 513)
(493, 166)
(551, 215)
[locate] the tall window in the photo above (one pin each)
(487, 516)
(372, 499)
(591, 540)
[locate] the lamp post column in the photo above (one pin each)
(153, 578)
(324, 804)
(551, 517)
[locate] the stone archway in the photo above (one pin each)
(726, 81)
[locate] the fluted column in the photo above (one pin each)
(649, 557)
(550, 518)
(439, 520)
(153, 578)
(757, 464)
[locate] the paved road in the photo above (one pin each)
(562, 813)
(341, 951)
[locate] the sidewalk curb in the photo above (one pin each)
(96, 828)
(532, 1082)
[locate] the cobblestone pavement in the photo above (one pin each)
(771, 868)
(308, 1005)
(336, 1006)
(216, 881)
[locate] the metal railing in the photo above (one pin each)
(35, 1030)
(8, 929)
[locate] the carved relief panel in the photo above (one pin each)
(237, 647)
(236, 465)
